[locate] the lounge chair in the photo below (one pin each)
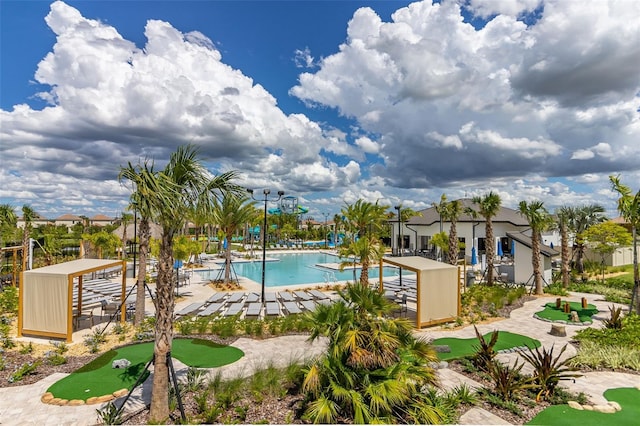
(272, 309)
(216, 297)
(211, 309)
(303, 295)
(235, 297)
(252, 297)
(318, 294)
(285, 296)
(189, 309)
(308, 305)
(291, 308)
(253, 310)
(234, 309)
(270, 297)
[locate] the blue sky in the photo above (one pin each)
(330, 101)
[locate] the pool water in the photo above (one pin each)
(298, 268)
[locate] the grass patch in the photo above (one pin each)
(562, 415)
(551, 313)
(465, 347)
(97, 378)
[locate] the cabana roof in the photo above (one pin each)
(77, 267)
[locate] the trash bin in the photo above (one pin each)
(471, 278)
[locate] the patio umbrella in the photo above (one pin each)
(500, 252)
(224, 244)
(513, 248)
(551, 245)
(474, 256)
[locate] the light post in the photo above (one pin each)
(326, 218)
(399, 207)
(266, 193)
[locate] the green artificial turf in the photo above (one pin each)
(465, 347)
(563, 415)
(551, 313)
(98, 378)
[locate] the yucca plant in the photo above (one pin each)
(483, 358)
(548, 370)
(615, 319)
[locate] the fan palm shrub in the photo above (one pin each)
(374, 369)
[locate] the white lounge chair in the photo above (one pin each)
(272, 309)
(270, 297)
(291, 308)
(285, 296)
(303, 295)
(308, 305)
(234, 309)
(235, 297)
(252, 297)
(318, 294)
(211, 309)
(253, 310)
(216, 297)
(189, 309)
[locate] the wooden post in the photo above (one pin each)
(567, 308)
(558, 303)
(584, 303)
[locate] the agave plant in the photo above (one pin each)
(548, 370)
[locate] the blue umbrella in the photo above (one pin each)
(224, 244)
(551, 245)
(474, 256)
(513, 248)
(500, 252)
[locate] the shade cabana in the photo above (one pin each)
(46, 305)
(437, 288)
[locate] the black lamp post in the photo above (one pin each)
(399, 208)
(266, 193)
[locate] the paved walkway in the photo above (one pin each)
(21, 405)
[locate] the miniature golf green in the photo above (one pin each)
(551, 313)
(563, 415)
(98, 378)
(465, 347)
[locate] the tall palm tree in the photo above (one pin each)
(231, 214)
(582, 218)
(28, 216)
(563, 217)
(368, 250)
(629, 208)
(488, 206)
(365, 218)
(539, 220)
(337, 224)
(451, 213)
(374, 367)
(145, 187)
(167, 196)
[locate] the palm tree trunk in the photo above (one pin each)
(25, 243)
(489, 245)
(364, 272)
(227, 263)
(453, 243)
(565, 255)
(145, 233)
(635, 297)
(580, 257)
(159, 411)
(535, 262)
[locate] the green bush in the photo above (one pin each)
(627, 336)
(9, 300)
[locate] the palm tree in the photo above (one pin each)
(364, 218)
(582, 218)
(539, 220)
(368, 249)
(184, 184)
(563, 216)
(451, 212)
(374, 368)
(8, 221)
(142, 176)
(488, 207)
(28, 216)
(231, 214)
(629, 208)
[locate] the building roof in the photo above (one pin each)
(101, 217)
(68, 216)
(526, 241)
(431, 216)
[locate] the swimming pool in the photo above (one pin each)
(297, 268)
